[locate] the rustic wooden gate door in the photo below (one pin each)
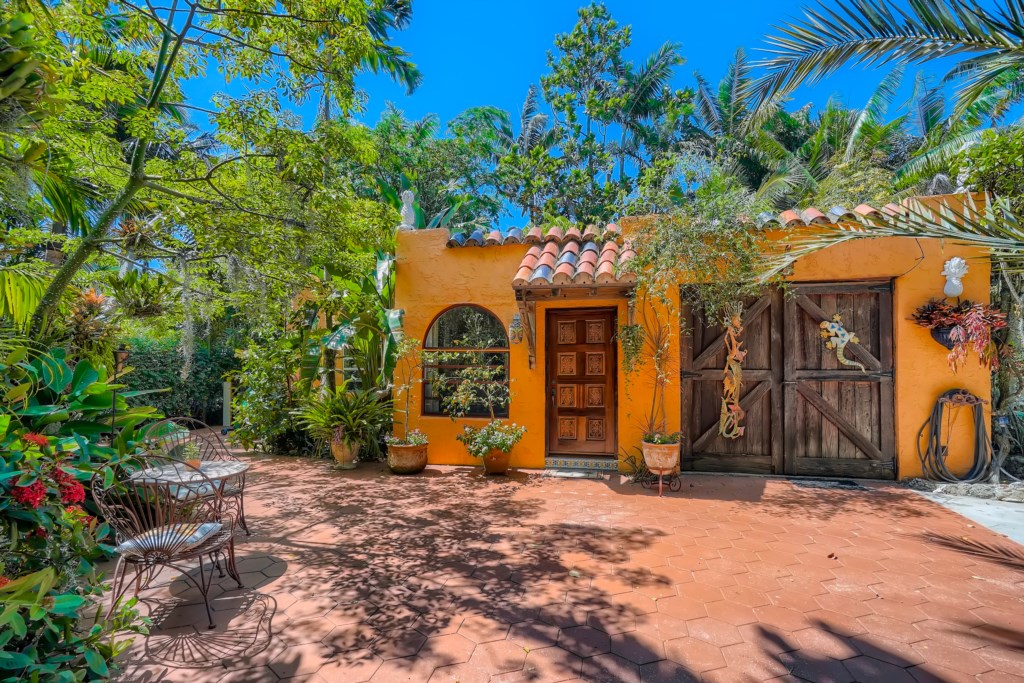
(839, 418)
(581, 373)
(703, 357)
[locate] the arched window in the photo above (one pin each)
(466, 358)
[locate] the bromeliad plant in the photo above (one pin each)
(962, 325)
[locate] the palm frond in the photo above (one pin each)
(709, 115)
(874, 111)
(21, 290)
(927, 106)
(873, 32)
(991, 225)
(936, 158)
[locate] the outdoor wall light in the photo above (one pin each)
(954, 271)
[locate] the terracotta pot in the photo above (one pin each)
(346, 454)
(943, 335)
(497, 462)
(660, 457)
(407, 459)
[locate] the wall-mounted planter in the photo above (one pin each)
(943, 335)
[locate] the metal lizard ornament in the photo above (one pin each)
(837, 337)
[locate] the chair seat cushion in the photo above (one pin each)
(179, 537)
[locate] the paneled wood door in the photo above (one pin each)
(702, 361)
(838, 418)
(581, 382)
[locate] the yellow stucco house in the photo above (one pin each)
(552, 301)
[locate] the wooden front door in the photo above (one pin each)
(581, 382)
(839, 418)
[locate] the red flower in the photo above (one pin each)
(35, 438)
(72, 492)
(40, 532)
(61, 477)
(32, 495)
(4, 581)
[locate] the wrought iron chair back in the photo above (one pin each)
(185, 438)
(167, 519)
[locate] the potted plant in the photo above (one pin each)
(407, 454)
(962, 325)
(492, 443)
(476, 383)
(346, 419)
(651, 341)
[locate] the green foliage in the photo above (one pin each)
(266, 395)
(53, 424)
(139, 294)
(996, 165)
(354, 416)
(849, 184)
(156, 364)
(494, 436)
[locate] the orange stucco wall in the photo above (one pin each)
(431, 277)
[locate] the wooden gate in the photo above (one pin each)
(806, 413)
(703, 359)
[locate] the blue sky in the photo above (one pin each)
(476, 52)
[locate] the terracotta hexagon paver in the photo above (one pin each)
(299, 660)
(483, 629)
(551, 664)
(354, 666)
(398, 643)
(638, 647)
(499, 656)
(695, 655)
(584, 641)
(533, 635)
(610, 668)
(734, 582)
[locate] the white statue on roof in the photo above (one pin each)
(408, 212)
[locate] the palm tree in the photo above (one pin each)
(989, 44)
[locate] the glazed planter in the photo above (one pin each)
(407, 459)
(661, 457)
(344, 453)
(943, 335)
(497, 462)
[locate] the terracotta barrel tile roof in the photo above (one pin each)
(837, 214)
(572, 257)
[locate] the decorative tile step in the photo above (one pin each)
(576, 474)
(559, 462)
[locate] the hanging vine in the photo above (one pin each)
(730, 420)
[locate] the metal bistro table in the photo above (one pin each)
(220, 472)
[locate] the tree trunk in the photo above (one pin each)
(89, 246)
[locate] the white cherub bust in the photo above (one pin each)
(954, 271)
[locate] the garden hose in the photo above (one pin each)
(933, 457)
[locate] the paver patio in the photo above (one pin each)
(452, 576)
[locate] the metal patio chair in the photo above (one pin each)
(183, 437)
(159, 521)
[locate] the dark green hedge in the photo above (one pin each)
(157, 364)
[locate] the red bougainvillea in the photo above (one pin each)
(31, 496)
(35, 438)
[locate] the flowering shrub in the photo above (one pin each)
(968, 324)
(51, 424)
(412, 438)
(661, 438)
(495, 436)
